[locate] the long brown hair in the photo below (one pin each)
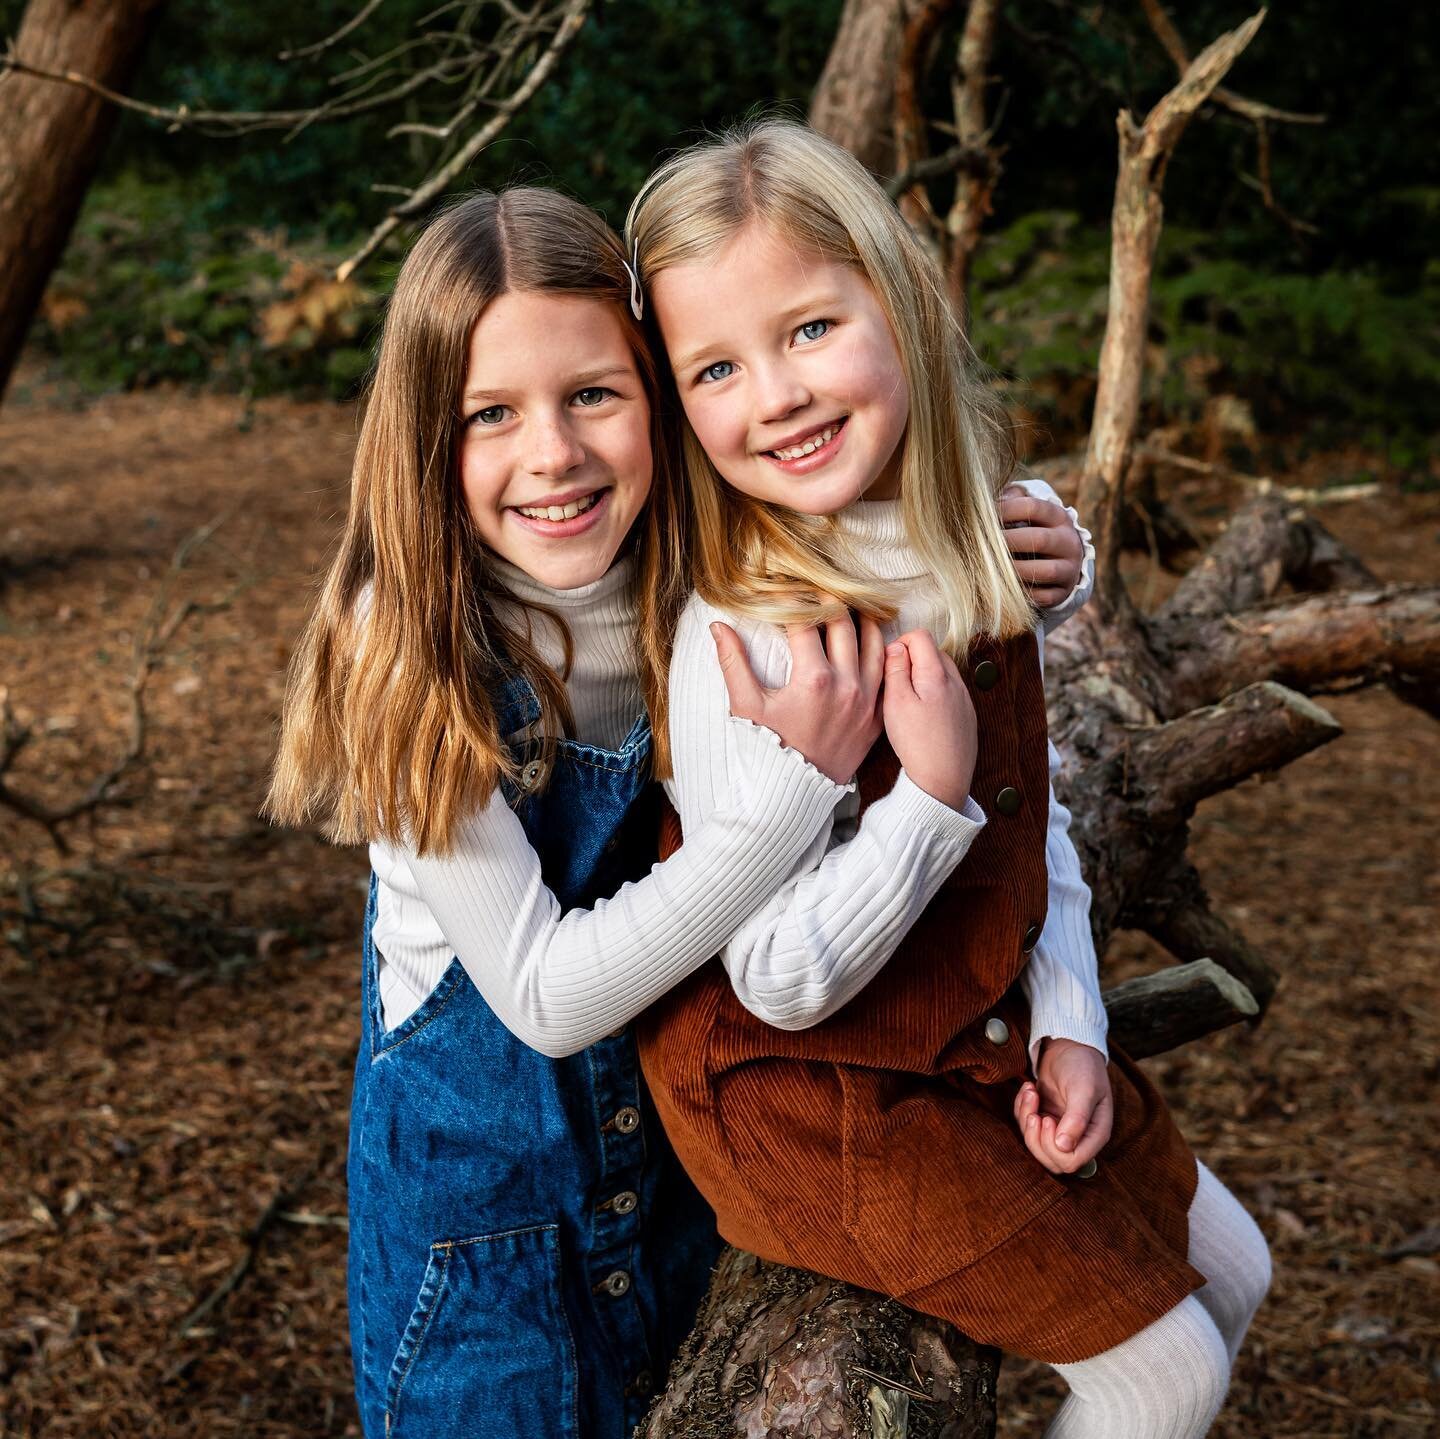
(389, 728)
(763, 560)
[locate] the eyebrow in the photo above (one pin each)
(821, 300)
(579, 382)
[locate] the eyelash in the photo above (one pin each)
(604, 392)
(706, 378)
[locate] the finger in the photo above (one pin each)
(897, 674)
(1022, 509)
(1059, 1160)
(1097, 1136)
(1045, 572)
(747, 698)
(1046, 597)
(807, 653)
(842, 646)
(925, 666)
(872, 654)
(1022, 1104)
(1029, 539)
(1031, 1132)
(1076, 1118)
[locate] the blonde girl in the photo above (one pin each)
(471, 699)
(839, 454)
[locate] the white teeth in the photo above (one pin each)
(794, 452)
(560, 512)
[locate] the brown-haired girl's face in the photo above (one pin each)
(788, 372)
(555, 458)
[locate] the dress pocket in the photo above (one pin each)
(935, 1174)
(488, 1348)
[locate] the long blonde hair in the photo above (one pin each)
(754, 558)
(389, 727)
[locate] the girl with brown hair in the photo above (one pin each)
(471, 698)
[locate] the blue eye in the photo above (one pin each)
(720, 370)
(814, 329)
(490, 415)
(592, 395)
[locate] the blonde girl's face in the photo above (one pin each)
(555, 457)
(788, 372)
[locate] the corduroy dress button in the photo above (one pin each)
(987, 673)
(1008, 800)
(627, 1120)
(1032, 938)
(1087, 1170)
(996, 1030)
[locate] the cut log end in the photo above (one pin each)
(1161, 1011)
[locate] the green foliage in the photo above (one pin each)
(145, 296)
(1341, 345)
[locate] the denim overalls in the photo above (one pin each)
(525, 1252)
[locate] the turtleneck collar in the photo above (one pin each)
(875, 532)
(613, 583)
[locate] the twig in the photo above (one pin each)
(280, 1201)
(423, 195)
(306, 52)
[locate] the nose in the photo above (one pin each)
(553, 449)
(779, 392)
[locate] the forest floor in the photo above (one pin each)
(180, 987)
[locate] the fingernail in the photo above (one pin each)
(715, 629)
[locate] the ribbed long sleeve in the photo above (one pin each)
(858, 888)
(562, 981)
(825, 934)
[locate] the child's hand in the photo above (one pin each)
(929, 717)
(1044, 543)
(1065, 1116)
(830, 709)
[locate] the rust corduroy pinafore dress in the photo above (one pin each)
(879, 1147)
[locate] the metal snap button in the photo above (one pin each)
(1032, 938)
(625, 1201)
(1008, 800)
(987, 673)
(616, 1284)
(530, 775)
(1087, 1170)
(627, 1120)
(996, 1030)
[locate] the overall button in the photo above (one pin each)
(996, 1030)
(624, 1202)
(642, 1384)
(615, 1285)
(532, 774)
(1087, 1170)
(987, 672)
(1032, 938)
(627, 1120)
(1008, 800)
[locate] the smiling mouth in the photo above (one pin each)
(557, 513)
(810, 443)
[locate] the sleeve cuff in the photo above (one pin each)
(1065, 1026)
(920, 808)
(761, 749)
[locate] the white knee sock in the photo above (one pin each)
(1166, 1382)
(1169, 1380)
(1227, 1247)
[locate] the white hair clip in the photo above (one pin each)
(637, 296)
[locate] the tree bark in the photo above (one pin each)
(854, 100)
(51, 140)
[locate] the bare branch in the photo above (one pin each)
(424, 194)
(306, 52)
(1145, 152)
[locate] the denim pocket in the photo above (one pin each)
(488, 1348)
